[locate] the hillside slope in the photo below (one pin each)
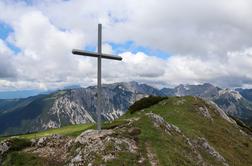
(233, 102)
(176, 131)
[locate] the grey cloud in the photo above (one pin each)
(7, 68)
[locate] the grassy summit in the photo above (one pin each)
(175, 131)
(186, 113)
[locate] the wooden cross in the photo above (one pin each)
(99, 55)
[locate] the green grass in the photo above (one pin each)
(12, 157)
(23, 159)
(124, 158)
(235, 147)
(169, 149)
(19, 144)
(3, 138)
(114, 123)
(223, 136)
(71, 130)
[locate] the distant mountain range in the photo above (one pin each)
(78, 105)
(17, 94)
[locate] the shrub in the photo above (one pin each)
(145, 103)
(240, 123)
(19, 144)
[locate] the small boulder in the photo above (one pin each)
(4, 147)
(56, 136)
(42, 141)
(134, 131)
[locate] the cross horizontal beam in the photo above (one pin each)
(94, 54)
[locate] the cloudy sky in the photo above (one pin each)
(162, 42)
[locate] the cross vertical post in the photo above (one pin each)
(99, 88)
(99, 55)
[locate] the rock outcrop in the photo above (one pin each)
(4, 147)
(158, 121)
(104, 144)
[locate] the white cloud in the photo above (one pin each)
(233, 71)
(46, 50)
(208, 42)
(180, 27)
(107, 49)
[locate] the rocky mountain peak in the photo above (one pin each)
(229, 93)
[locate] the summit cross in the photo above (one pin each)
(99, 55)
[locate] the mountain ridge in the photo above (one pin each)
(78, 105)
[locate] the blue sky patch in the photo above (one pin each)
(132, 47)
(5, 30)
(28, 2)
(14, 48)
(91, 48)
